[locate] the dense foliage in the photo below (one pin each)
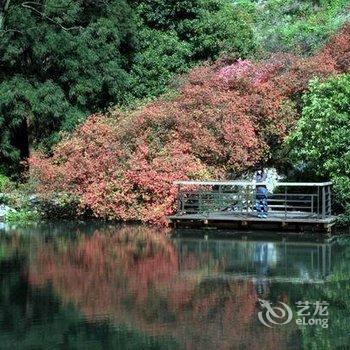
(321, 141)
(59, 61)
(175, 35)
(295, 25)
(62, 60)
(224, 119)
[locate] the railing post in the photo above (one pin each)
(318, 202)
(323, 260)
(285, 202)
(247, 199)
(330, 200)
(323, 202)
(240, 198)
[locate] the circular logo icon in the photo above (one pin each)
(277, 315)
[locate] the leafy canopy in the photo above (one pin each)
(321, 139)
(59, 60)
(297, 26)
(62, 60)
(176, 35)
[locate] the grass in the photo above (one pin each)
(22, 216)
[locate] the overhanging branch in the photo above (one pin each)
(28, 5)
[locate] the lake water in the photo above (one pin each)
(93, 286)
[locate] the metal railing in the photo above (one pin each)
(289, 199)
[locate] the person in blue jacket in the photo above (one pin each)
(261, 194)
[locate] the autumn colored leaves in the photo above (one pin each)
(224, 119)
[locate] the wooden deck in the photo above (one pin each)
(251, 220)
(231, 204)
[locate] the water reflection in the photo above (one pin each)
(105, 287)
(259, 261)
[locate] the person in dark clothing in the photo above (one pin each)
(261, 194)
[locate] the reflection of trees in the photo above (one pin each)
(131, 277)
(32, 318)
(128, 279)
(325, 264)
(336, 292)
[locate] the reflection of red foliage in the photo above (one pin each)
(223, 119)
(131, 277)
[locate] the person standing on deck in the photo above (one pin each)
(261, 194)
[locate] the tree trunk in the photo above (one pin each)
(2, 14)
(30, 136)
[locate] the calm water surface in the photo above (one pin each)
(89, 286)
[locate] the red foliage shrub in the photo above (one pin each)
(110, 179)
(223, 120)
(339, 49)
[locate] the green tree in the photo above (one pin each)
(176, 35)
(59, 60)
(62, 60)
(296, 25)
(321, 139)
(160, 55)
